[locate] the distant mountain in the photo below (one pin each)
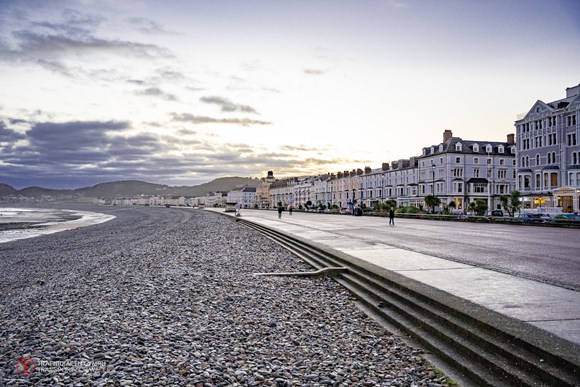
(130, 188)
(6, 190)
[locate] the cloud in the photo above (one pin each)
(186, 117)
(157, 92)
(299, 148)
(313, 72)
(147, 26)
(51, 45)
(228, 106)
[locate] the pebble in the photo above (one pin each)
(167, 297)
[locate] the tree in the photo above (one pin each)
(432, 201)
(480, 207)
(452, 205)
(471, 207)
(511, 203)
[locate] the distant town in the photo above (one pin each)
(543, 167)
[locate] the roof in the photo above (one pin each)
(467, 147)
(477, 180)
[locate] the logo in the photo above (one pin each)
(25, 366)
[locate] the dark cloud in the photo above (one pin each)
(8, 135)
(81, 153)
(227, 105)
(37, 45)
(51, 44)
(186, 117)
(157, 92)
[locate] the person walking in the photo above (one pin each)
(280, 209)
(290, 209)
(391, 217)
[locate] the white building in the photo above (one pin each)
(548, 160)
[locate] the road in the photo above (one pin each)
(546, 254)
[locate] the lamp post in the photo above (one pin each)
(489, 185)
(433, 185)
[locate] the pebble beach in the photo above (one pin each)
(167, 297)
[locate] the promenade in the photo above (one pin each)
(555, 309)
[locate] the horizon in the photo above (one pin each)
(185, 92)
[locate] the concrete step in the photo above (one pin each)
(482, 346)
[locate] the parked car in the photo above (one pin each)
(567, 217)
(497, 213)
(528, 218)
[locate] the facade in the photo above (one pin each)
(263, 191)
(462, 171)
(456, 170)
(548, 162)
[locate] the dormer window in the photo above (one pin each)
(424, 151)
(500, 149)
(513, 149)
(476, 147)
(488, 148)
(432, 150)
(440, 147)
(458, 146)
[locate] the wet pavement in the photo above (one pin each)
(530, 273)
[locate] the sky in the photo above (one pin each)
(180, 92)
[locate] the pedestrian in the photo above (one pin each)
(238, 208)
(290, 209)
(280, 209)
(391, 217)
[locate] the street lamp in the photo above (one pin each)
(433, 171)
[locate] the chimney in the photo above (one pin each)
(511, 139)
(385, 166)
(572, 91)
(367, 170)
(447, 134)
(339, 175)
(359, 171)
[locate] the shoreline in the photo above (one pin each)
(26, 222)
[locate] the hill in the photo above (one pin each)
(130, 188)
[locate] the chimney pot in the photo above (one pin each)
(447, 134)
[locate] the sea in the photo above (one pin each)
(22, 223)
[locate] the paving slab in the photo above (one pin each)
(552, 308)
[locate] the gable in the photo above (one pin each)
(537, 110)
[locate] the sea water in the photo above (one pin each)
(21, 223)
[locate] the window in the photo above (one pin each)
(480, 187)
(500, 149)
(549, 158)
(476, 147)
(488, 161)
(476, 160)
(501, 161)
(488, 149)
(476, 172)
(458, 160)
(458, 146)
(571, 139)
(538, 182)
(458, 172)
(537, 160)
(501, 174)
(571, 120)
(554, 179)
